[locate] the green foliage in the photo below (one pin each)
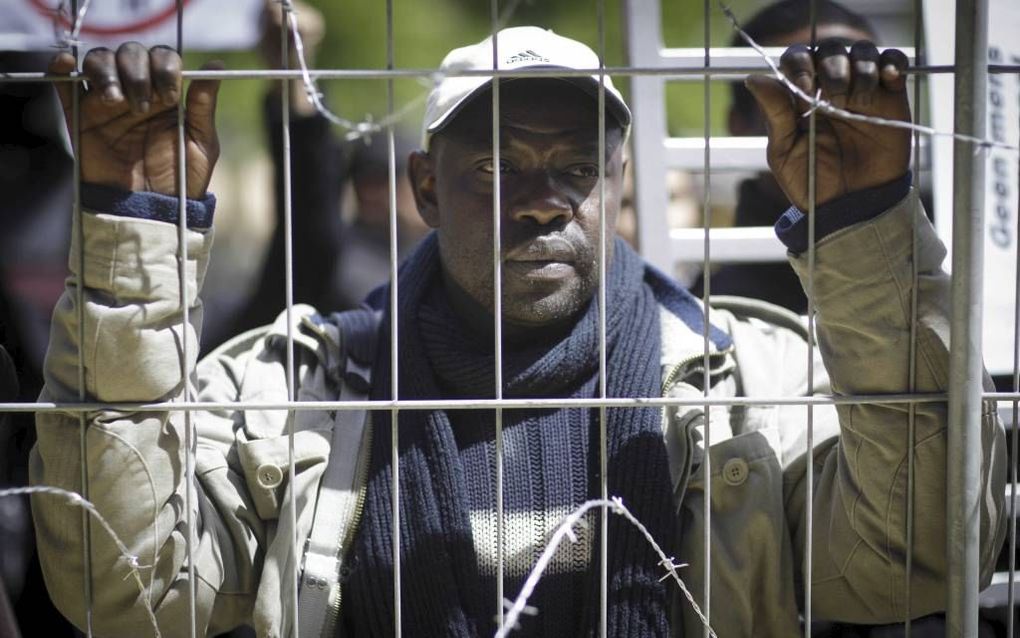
(424, 30)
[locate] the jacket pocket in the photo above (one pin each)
(266, 464)
(751, 552)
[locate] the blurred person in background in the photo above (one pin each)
(760, 200)
(344, 252)
(37, 189)
(365, 249)
(12, 548)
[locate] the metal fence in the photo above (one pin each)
(964, 397)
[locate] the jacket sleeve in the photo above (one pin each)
(862, 293)
(135, 461)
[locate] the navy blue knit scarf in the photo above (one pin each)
(441, 595)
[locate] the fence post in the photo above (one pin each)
(963, 476)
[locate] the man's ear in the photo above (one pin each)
(421, 172)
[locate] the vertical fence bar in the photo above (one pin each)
(1014, 444)
(706, 470)
(963, 476)
(603, 388)
(707, 215)
(288, 246)
(80, 301)
(394, 343)
(191, 497)
(1015, 430)
(497, 308)
(912, 363)
(809, 503)
(1015, 435)
(1013, 449)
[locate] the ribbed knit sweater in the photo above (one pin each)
(546, 465)
(446, 489)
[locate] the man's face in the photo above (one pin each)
(549, 222)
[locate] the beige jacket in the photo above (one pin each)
(136, 467)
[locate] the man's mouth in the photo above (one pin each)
(546, 258)
(539, 269)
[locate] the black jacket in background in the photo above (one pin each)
(774, 282)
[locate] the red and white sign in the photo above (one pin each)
(207, 24)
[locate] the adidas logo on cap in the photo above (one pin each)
(526, 56)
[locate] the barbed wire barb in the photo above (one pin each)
(76, 499)
(364, 129)
(67, 38)
(829, 109)
(616, 506)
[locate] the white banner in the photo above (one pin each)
(1001, 171)
(208, 24)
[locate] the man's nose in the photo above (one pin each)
(541, 201)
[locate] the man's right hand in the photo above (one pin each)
(128, 119)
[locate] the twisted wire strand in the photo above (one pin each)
(818, 104)
(367, 127)
(566, 530)
(67, 38)
(75, 499)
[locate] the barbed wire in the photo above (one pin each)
(76, 499)
(365, 128)
(816, 103)
(566, 530)
(67, 38)
(368, 126)
(355, 130)
(515, 609)
(508, 12)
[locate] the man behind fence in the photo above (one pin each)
(344, 484)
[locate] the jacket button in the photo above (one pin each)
(268, 475)
(734, 472)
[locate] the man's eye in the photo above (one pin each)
(504, 167)
(584, 170)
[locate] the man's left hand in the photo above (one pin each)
(850, 156)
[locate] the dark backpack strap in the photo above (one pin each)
(359, 334)
(360, 330)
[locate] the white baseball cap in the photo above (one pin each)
(518, 48)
